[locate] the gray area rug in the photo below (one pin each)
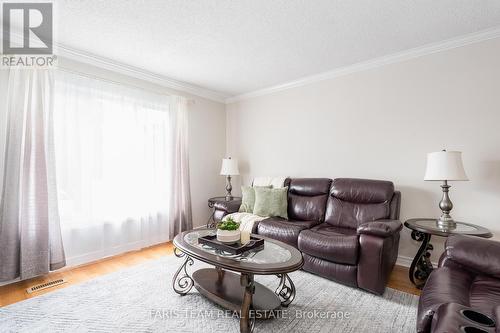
(141, 299)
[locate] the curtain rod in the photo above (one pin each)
(100, 78)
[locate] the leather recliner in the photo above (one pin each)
(468, 277)
(347, 229)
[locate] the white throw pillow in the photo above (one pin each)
(275, 182)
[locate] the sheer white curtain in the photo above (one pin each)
(113, 144)
(30, 238)
(180, 205)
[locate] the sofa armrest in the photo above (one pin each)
(381, 228)
(228, 206)
(377, 256)
(476, 254)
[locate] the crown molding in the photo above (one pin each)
(374, 63)
(105, 63)
(135, 72)
(138, 73)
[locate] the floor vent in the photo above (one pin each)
(46, 285)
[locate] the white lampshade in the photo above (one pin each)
(229, 167)
(445, 165)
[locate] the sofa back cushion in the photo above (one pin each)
(355, 201)
(307, 198)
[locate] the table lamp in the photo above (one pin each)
(229, 168)
(445, 166)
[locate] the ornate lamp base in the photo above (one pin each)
(229, 188)
(445, 221)
(446, 224)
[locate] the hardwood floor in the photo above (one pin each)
(16, 292)
(399, 280)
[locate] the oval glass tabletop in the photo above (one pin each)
(271, 253)
(430, 226)
(274, 258)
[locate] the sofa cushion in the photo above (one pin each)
(346, 274)
(307, 198)
(354, 201)
(366, 191)
(283, 230)
(331, 243)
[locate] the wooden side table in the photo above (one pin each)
(422, 230)
(211, 203)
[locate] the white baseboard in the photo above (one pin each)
(102, 254)
(109, 252)
(406, 261)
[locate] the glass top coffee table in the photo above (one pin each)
(231, 282)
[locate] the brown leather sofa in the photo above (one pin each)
(347, 229)
(468, 278)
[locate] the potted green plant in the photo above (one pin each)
(228, 231)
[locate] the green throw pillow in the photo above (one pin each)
(271, 202)
(248, 198)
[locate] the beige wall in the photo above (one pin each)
(380, 123)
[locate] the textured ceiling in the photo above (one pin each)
(234, 46)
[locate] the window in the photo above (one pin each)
(112, 170)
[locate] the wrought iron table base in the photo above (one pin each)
(183, 284)
(285, 292)
(421, 266)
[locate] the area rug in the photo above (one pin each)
(141, 299)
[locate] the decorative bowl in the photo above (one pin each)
(228, 236)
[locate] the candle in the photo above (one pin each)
(245, 237)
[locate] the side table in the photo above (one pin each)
(422, 230)
(211, 203)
